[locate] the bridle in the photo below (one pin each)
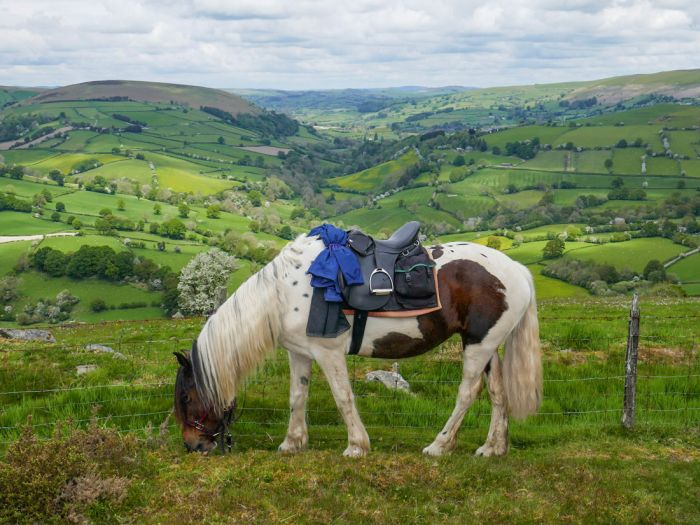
(222, 434)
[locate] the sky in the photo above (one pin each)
(329, 44)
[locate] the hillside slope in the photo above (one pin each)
(193, 96)
(678, 84)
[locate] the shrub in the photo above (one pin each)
(98, 305)
(201, 280)
(57, 480)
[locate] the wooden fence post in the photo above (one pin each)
(631, 366)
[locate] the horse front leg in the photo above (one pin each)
(297, 437)
(335, 369)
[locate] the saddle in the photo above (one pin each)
(398, 276)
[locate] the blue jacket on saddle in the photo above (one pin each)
(336, 257)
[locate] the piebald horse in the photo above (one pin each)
(487, 298)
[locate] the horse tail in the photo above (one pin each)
(522, 366)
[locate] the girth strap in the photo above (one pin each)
(358, 331)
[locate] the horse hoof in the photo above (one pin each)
(433, 450)
(290, 447)
(487, 450)
(353, 451)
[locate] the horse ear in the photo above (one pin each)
(182, 359)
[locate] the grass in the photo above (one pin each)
(16, 223)
(663, 166)
(37, 286)
(633, 254)
(608, 136)
(572, 462)
(371, 179)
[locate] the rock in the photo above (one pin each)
(178, 315)
(31, 334)
(106, 349)
(85, 369)
(392, 380)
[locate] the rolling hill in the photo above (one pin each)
(155, 92)
(116, 161)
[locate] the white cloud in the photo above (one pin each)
(314, 44)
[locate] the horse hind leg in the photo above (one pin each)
(297, 437)
(497, 440)
(476, 357)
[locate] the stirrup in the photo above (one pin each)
(380, 291)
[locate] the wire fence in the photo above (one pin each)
(131, 389)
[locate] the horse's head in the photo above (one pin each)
(203, 428)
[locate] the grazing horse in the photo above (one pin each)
(487, 298)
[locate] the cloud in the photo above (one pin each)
(365, 43)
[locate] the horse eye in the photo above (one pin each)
(186, 398)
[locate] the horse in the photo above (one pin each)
(486, 298)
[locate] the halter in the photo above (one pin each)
(222, 434)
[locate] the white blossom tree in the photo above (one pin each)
(202, 280)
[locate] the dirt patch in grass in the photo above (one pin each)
(674, 356)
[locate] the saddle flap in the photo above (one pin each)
(361, 243)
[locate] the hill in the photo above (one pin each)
(681, 84)
(12, 94)
(156, 92)
(621, 186)
(494, 107)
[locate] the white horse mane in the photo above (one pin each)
(243, 330)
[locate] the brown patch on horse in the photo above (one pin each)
(436, 252)
(473, 300)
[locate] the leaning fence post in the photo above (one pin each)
(631, 366)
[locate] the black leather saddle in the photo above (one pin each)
(377, 261)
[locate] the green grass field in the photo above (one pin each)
(562, 462)
(16, 223)
(633, 254)
(370, 180)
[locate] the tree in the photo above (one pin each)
(622, 143)
(494, 242)
(608, 164)
(221, 140)
(55, 263)
(655, 271)
(183, 209)
(213, 211)
(60, 207)
(255, 198)
(553, 249)
(459, 161)
(286, 232)
(202, 280)
(156, 209)
(16, 172)
(121, 206)
(173, 228)
(57, 176)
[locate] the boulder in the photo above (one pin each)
(392, 380)
(31, 334)
(106, 349)
(84, 369)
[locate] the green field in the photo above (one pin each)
(562, 462)
(15, 223)
(633, 254)
(370, 180)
